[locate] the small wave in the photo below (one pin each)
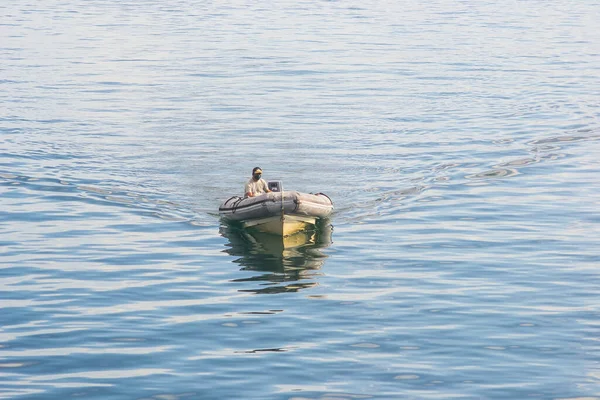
(494, 174)
(518, 163)
(567, 138)
(96, 192)
(385, 201)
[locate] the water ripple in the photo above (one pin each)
(458, 141)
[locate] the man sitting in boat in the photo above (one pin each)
(256, 185)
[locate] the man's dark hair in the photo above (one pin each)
(255, 169)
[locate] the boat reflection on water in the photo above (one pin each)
(285, 264)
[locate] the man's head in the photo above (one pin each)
(256, 173)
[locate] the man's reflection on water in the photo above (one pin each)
(286, 264)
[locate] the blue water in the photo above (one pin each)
(459, 141)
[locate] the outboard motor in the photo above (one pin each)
(275, 186)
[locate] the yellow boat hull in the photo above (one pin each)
(285, 225)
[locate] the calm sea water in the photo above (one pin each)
(459, 141)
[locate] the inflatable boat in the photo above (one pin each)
(278, 212)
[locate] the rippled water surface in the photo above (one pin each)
(459, 141)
